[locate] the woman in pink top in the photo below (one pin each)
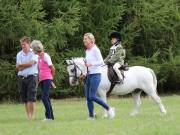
(46, 74)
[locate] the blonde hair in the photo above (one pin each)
(90, 36)
(36, 45)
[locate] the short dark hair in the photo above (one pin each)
(25, 39)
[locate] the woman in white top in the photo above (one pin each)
(93, 62)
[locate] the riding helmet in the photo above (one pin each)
(116, 35)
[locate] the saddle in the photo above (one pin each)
(112, 76)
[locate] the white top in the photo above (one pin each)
(47, 59)
(23, 57)
(113, 48)
(94, 57)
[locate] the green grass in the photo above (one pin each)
(71, 115)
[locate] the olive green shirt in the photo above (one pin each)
(116, 54)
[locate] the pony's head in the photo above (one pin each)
(76, 68)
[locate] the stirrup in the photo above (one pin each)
(119, 81)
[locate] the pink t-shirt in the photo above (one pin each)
(44, 70)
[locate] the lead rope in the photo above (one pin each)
(86, 67)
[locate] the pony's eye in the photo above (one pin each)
(72, 70)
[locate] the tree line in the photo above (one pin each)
(150, 32)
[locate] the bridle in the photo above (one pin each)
(74, 70)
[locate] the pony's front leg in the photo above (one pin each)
(137, 102)
(102, 94)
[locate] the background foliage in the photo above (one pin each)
(150, 31)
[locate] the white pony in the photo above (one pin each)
(137, 79)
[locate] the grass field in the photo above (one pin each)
(71, 115)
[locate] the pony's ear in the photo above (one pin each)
(68, 62)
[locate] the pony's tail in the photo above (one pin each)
(154, 79)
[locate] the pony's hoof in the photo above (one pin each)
(164, 112)
(134, 113)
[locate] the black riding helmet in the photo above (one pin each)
(116, 35)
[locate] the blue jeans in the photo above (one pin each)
(45, 86)
(91, 85)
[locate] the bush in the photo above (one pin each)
(8, 79)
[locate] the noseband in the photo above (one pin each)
(75, 71)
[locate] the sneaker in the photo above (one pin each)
(95, 115)
(46, 120)
(111, 112)
(90, 118)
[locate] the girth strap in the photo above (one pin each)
(110, 89)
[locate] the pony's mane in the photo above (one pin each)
(78, 59)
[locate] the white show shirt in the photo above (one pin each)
(113, 48)
(94, 57)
